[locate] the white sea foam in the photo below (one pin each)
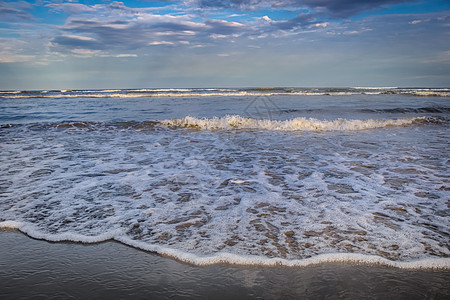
(375, 87)
(263, 197)
(238, 122)
(162, 90)
(427, 93)
(109, 91)
(68, 236)
(10, 92)
(10, 225)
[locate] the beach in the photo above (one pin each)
(36, 269)
(225, 149)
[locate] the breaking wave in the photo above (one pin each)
(235, 122)
(306, 124)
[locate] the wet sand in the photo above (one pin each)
(41, 270)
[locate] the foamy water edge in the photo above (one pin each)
(442, 263)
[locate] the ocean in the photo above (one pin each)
(263, 176)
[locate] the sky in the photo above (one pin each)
(86, 44)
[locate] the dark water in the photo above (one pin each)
(33, 269)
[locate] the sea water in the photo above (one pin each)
(279, 176)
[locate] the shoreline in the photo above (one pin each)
(31, 268)
(226, 258)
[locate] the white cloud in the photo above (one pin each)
(324, 24)
(126, 55)
(218, 36)
(86, 52)
(78, 37)
(12, 58)
(156, 43)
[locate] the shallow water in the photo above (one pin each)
(234, 176)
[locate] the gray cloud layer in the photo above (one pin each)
(332, 8)
(14, 11)
(120, 29)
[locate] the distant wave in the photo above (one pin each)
(375, 87)
(419, 110)
(134, 95)
(217, 92)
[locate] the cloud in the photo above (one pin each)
(117, 28)
(75, 44)
(331, 8)
(244, 5)
(86, 52)
(112, 29)
(223, 27)
(12, 50)
(347, 8)
(99, 35)
(301, 20)
(14, 12)
(71, 8)
(77, 8)
(161, 43)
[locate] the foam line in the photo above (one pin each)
(229, 258)
(60, 237)
(225, 257)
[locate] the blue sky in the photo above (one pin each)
(215, 43)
